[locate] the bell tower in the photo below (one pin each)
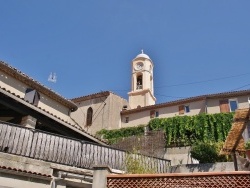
(142, 82)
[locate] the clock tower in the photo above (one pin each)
(142, 84)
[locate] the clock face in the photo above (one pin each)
(139, 66)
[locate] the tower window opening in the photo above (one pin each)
(139, 82)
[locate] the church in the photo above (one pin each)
(85, 115)
(106, 110)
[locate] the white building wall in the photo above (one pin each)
(15, 181)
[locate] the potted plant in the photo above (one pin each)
(247, 147)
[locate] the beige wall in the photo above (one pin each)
(196, 107)
(106, 113)
(213, 105)
(19, 88)
(170, 111)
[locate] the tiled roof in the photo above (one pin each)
(36, 85)
(60, 120)
(24, 171)
(91, 96)
(187, 100)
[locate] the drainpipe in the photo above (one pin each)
(206, 105)
(62, 175)
(53, 182)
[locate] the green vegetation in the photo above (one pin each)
(187, 130)
(134, 164)
(180, 130)
(247, 145)
(208, 152)
(204, 132)
(112, 136)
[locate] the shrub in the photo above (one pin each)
(207, 152)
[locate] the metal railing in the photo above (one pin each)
(54, 148)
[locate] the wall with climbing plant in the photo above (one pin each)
(180, 130)
(186, 130)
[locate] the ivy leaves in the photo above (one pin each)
(186, 130)
(180, 130)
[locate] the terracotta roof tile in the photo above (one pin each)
(91, 96)
(57, 117)
(24, 171)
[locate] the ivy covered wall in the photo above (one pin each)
(180, 130)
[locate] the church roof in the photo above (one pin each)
(142, 55)
(91, 96)
(187, 100)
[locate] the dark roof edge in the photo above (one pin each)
(91, 96)
(36, 85)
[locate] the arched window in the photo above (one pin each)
(139, 82)
(89, 116)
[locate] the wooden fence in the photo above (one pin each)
(54, 148)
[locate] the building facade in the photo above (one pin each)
(103, 110)
(99, 111)
(212, 103)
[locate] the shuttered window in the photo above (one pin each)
(224, 107)
(181, 109)
(152, 114)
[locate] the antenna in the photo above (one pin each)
(52, 77)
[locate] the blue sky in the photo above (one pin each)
(198, 47)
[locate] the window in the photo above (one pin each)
(233, 105)
(156, 113)
(181, 109)
(228, 105)
(152, 114)
(89, 116)
(184, 109)
(126, 119)
(224, 106)
(139, 82)
(32, 96)
(187, 110)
